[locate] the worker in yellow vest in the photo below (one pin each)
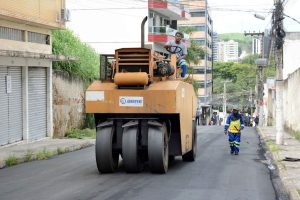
(233, 126)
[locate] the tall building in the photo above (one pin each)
(228, 51)
(26, 67)
(215, 40)
(256, 46)
(162, 23)
(202, 24)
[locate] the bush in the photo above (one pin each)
(76, 133)
(11, 160)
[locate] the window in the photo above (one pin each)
(198, 14)
(38, 38)
(199, 41)
(11, 34)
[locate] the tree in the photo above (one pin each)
(64, 42)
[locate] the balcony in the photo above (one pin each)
(162, 34)
(169, 9)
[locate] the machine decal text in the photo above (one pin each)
(131, 101)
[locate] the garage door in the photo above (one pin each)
(11, 118)
(37, 102)
(15, 105)
(3, 107)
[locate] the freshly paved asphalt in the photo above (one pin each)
(215, 175)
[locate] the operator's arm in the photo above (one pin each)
(167, 45)
(184, 53)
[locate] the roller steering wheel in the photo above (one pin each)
(175, 50)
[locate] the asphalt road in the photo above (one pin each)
(215, 175)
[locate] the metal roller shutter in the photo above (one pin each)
(15, 105)
(37, 102)
(3, 107)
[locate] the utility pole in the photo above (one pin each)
(279, 35)
(259, 77)
(250, 102)
(225, 99)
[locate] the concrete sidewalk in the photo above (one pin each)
(36, 150)
(289, 172)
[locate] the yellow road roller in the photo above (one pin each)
(143, 112)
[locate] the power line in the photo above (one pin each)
(292, 18)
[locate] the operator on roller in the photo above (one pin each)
(181, 51)
(234, 125)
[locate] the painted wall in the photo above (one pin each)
(291, 101)
(291, 58)
(38, 12)
(68, 103)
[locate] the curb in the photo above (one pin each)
(52, 150)
(285, 185)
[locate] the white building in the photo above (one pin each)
(256, 46)
(228, 51)
(291, 58)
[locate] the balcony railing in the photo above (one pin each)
(165, 30)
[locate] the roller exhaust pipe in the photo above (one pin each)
(143, 32)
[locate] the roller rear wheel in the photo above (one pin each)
(158, 149)
(130, 143)
(106, 158)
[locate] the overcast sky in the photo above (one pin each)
(243, 20)
(100, 27)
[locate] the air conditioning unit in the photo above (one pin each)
(65, 15)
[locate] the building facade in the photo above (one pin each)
(202, 25)
(162, 23)
(228, 51)
(256, 46)
(25, 67)
(215, 40)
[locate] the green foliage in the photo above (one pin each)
(195, 51)
(244, 41)
(89, 121)
(75, 133)
(66, 43)
(44, 154)
(243, 77)
(249, 59)
(12, 160)
(28, 155)
(272, 146)
(296, 135)
(60, 150)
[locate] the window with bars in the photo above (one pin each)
(11, 34)
(38, 38)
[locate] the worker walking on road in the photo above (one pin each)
(233, 126)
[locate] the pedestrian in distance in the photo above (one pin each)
(233, 126)
(181, 52)
(198, 113)
(256, 120)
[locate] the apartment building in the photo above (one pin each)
(256, 46)
(162, 23)
(215, 40)
(25, 67)
(202, 24)
(228, 51)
